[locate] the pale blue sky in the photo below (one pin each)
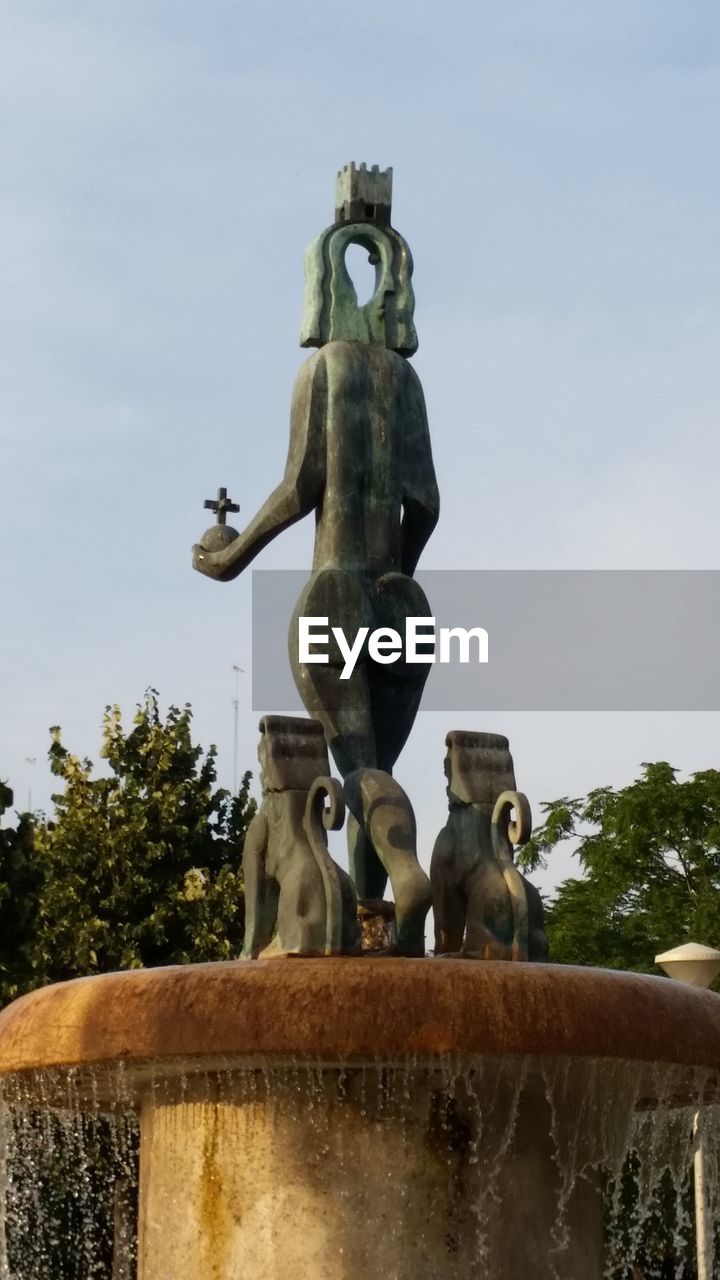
(163, 166)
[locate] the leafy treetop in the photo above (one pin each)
(650, 852)
(141, 867)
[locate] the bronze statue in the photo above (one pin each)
(297, 899)
(483, 906)
(360, 459)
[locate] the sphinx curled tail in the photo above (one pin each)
(342, 931)
(529, 941)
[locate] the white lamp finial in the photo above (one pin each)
(692, 963)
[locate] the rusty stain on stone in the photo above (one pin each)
(212, 1209)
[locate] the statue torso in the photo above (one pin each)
(359, 405)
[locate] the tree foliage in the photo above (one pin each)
(135, 868)
(650, 853)
(140, 866)
(20, 881)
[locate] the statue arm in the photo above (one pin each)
(421, 500)
(419, 520)
(297, 494)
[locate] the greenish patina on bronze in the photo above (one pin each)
(484, 908)
(360, 459)
(298, 901)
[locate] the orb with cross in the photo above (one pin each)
(220, 534)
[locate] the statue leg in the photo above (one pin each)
(367, 871)
(449, 902)
(490, 924)
(302, 909)
(351, 937)
(396, 688)
(261, 890)
(385, 814)
(537, 937)
(343, 707)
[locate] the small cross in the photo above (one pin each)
(221, 505)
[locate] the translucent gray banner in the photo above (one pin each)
(556, 640)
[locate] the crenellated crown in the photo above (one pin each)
(364, 195)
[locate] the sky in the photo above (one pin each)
(163, 166)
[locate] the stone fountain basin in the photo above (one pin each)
(352, 1010)
(293, 1113)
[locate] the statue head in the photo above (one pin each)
(478, 768)
(292, 753)
(332, 312)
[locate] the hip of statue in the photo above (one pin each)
(353, 600)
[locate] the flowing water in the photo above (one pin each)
(619, 1132)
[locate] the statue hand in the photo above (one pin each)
(216, 551)
(211, 563)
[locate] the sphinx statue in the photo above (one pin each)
(360, 459)
(298, 901)
(483, 906)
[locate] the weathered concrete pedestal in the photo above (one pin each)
(337, 1174)
(430, 1119)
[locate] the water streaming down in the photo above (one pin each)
(618, 1137)
(68, 1177)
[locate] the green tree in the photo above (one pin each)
(20, 882)
(140, 867)
(650, 853)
